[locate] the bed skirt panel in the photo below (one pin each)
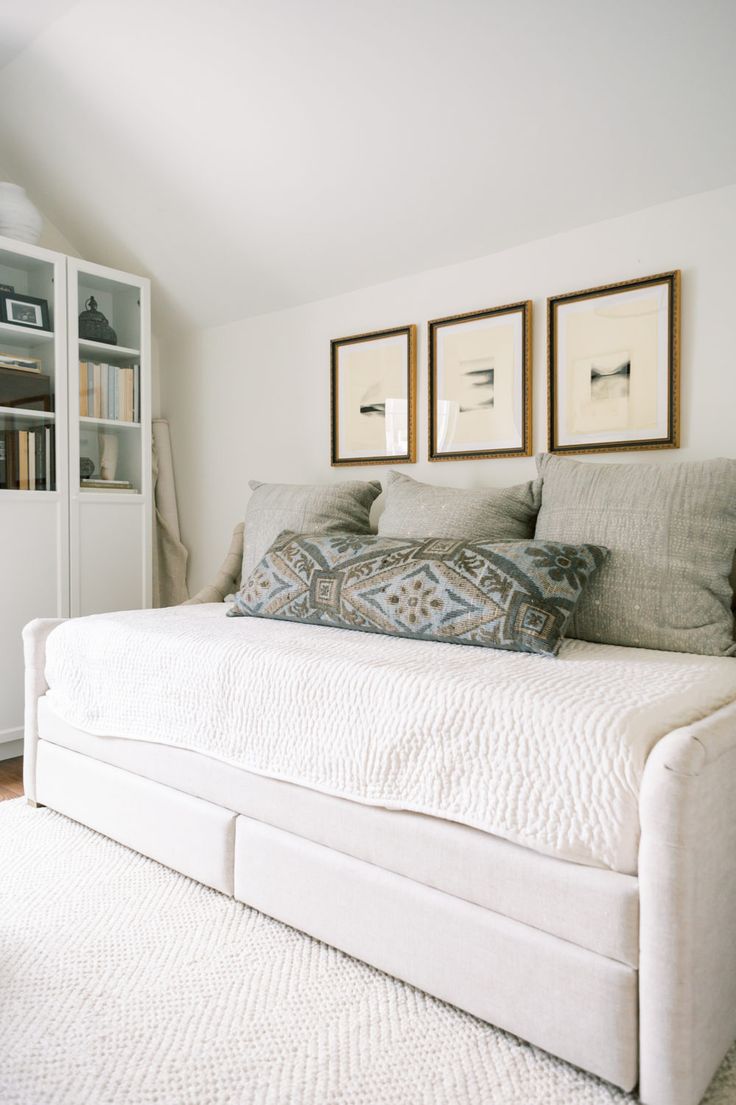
(185, 833)
(569, 1001)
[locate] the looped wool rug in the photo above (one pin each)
(123, 983)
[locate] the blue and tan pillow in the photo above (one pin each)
(519, 595)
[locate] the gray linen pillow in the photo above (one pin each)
(416, 509)
(305, 508)
(671, 531)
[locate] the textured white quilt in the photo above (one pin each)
(547, 753)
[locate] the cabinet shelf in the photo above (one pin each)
(13, 493)
(91, 421)
(25, 412)
(23, 337)
(113, 353)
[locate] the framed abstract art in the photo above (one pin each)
(373, 397)
(480, 384)
(614, 366)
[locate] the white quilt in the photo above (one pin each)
(545, 752)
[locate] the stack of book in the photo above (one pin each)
(109, 391)
(107, 485)
(27, 460)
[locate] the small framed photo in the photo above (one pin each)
(614, 367)
(373, 397)
(24, 310)
(480, 384)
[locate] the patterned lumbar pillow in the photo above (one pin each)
(308, 508)
(519, 595)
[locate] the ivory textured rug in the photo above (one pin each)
(122, 983)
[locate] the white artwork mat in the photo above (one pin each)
(372, 399)
(612, 380)
(479, 372)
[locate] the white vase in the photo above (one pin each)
(19, 219)
(108, 446)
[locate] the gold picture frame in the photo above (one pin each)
(373, 397)
(482, 359)
(613, 367)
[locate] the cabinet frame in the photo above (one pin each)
(84, 503)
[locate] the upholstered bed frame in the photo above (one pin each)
(630, 977)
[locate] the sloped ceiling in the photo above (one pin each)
(21, 23)
(252, 155)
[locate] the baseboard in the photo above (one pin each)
(10, 746)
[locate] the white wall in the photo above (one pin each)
(251, 400)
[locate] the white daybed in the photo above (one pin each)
(548, 844)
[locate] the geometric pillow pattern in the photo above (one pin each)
(518, 595)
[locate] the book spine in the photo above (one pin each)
(11, 458)
(23, 460)
(52, 451)
(31, 460)
(3, 466)
(103, 391)
(82, 389)
(40, 462)
(47, 459)
(136, 393)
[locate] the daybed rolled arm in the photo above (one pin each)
(35, 635)
(228, 577)
(687, 888)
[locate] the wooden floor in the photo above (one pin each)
(11, 778)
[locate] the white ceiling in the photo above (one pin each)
(20, 23)
(252, 155)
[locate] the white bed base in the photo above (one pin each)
(664, 1026)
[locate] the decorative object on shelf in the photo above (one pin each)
(86, 468)
(24, 310)
(19, 363)
(614, 367)
(19, 219)
(480, 384)
(6, 288)
(108, 445)
(93, 326)
(373, 397)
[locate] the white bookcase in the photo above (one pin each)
(64, 550)
(110, 530)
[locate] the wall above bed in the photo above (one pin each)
(251, 400)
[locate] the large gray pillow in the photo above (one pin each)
(671, 531)
(305, 508)
(416, 509)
